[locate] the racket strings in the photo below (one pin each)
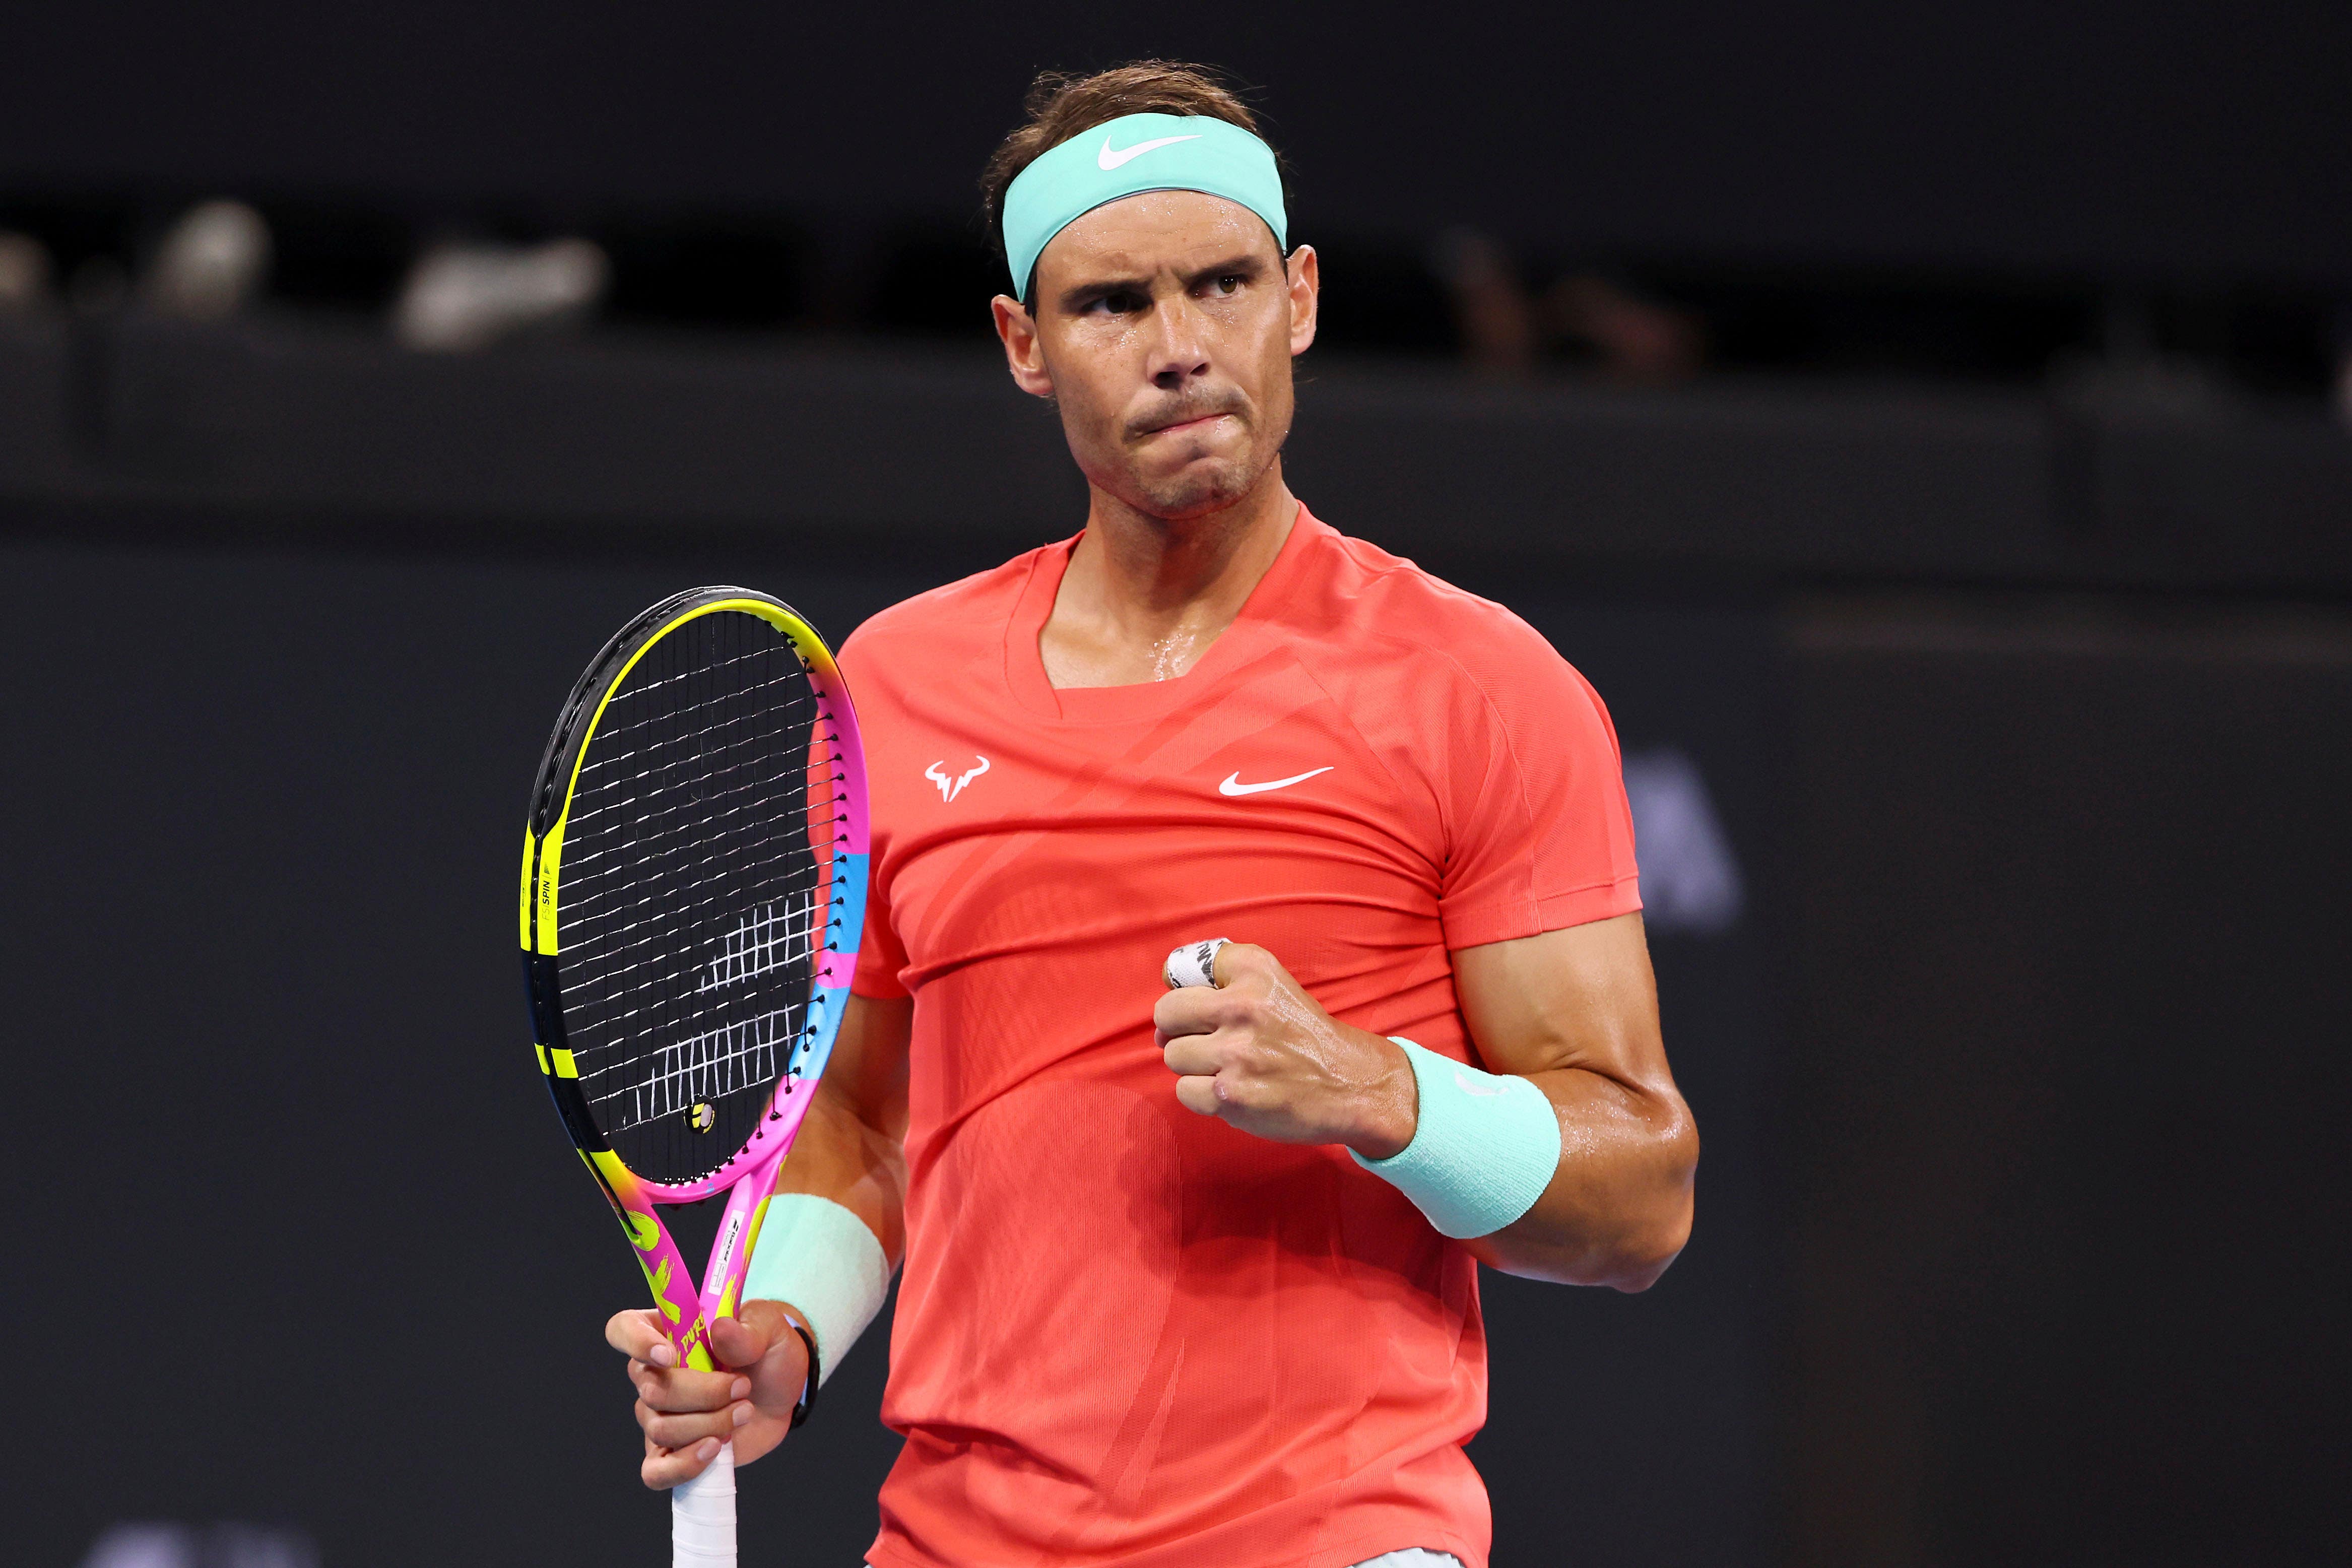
(696, 889)
(705, 1068)
(653, 763)
(604, 904)
(797, 957)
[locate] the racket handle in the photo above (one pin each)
(702, 1516)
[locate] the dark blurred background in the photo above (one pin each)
(1929, 429)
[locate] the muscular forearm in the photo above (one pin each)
(1575, 1012)
(842, 1156)
(834, 1229)
(852, 1147)
(1619, 1208)
(1572, 1013)
(837, 1226)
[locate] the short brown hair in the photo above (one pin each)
(1061, 105)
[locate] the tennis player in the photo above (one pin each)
(1191, 1272)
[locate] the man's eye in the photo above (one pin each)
(1229, 283)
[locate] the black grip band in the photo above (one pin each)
(808, 1393)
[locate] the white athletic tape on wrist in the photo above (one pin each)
(1482, 1151)
(820, 1258)
(1194, 963)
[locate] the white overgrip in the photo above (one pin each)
(702, 1516)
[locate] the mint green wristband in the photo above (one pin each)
(820, 1258)
(1483, 1149)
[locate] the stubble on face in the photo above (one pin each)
(1180, 452)
(1206, 466)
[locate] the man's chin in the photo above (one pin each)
(1195, 485)
(1202, 488)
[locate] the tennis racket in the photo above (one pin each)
(693, 891)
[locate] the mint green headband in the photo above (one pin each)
(1134, 154)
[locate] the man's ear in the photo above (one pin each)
(1025, 356)
(1306, 277)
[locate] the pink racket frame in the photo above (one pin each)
(749, 1177)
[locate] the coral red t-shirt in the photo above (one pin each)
(1128, 1335)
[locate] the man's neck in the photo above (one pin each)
(1144, 596)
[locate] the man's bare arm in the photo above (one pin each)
(851, 1149)
(1575, 1013)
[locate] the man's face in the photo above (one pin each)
(1165, 324)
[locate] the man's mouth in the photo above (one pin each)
(1192, 424)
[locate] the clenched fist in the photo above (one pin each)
(1255, 1050)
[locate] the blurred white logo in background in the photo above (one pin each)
(26, 275)
(201, 1546)
(1690, 880)
(211, 266)
(463, 297)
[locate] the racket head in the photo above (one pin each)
(693, 892)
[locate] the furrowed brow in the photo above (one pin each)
(1241, 264)
(1079, 296)
(1245, 263)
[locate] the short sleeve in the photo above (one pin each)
(881, 956)
(1532, 791)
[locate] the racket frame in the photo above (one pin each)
(748, 1177)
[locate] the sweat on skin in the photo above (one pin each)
(1088, 1177)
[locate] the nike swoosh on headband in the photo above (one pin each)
(1109, 159)
(1234, 785)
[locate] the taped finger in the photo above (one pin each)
(1194, 963)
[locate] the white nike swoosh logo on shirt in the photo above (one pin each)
(1234, 785)
(1108, 159)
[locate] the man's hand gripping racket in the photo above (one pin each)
(693, 891)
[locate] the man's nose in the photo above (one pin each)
(1179, 354)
